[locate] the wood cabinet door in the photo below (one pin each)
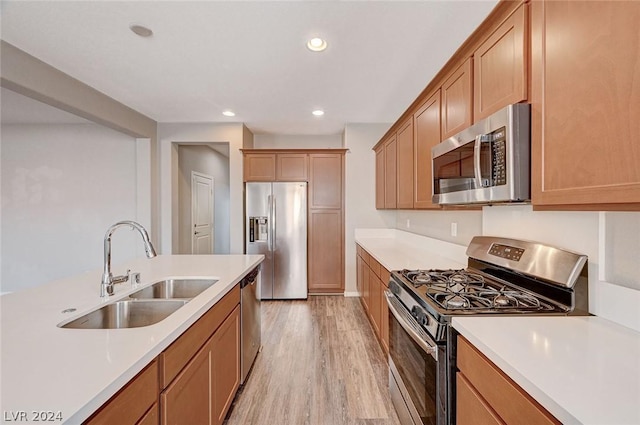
(132, 402)
(374, 299)
(457, 102)
(380, 179)
(225, 366)
(326, 246)
(500, 67)
(187, 400)
(384, 318)
(292, 167)
(390, 173)
(366, 293)
(585, 97)
(326, 180)
(404, 141)
(259, 167)
(426, 130)
(359, 264)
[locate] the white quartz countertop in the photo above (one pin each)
(584, 370)
(74, 371)
(397, 250)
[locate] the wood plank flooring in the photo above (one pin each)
(321, 364)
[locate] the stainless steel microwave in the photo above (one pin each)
(487, 163)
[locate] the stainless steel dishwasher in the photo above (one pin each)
(250, 329)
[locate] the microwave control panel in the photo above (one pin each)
(498, 160)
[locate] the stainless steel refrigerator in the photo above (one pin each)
(276, 226)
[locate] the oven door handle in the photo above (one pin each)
(408, 323)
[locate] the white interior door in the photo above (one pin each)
(201, 213)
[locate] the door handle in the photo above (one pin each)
(196, 233)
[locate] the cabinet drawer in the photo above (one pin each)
(508, 400)
(132, 402)
(151, 417)
(375, 266)
(176, 356)
(471, 408)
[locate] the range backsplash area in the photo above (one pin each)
(610, 239)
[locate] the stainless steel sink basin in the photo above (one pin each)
(126, 314)
(174, 288)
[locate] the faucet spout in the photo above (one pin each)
(106, 286)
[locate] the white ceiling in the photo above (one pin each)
(249, 56)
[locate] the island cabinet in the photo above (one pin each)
(200, 371)
(404, 141)
(585, 101)
(500, 66)
(193, 381)
(486, 395)
(136, 403)
(426, 134)
(374, 280)
(457, 100)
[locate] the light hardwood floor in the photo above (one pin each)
(320, 365)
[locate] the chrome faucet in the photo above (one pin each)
(108, 280)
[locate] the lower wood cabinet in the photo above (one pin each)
(373, 280)
(135, 402)
(486, 395)
(193, 381)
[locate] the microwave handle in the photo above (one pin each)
(477, 171)
(477, 147)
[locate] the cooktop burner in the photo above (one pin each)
(468, 291)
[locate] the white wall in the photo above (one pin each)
(203, 159)
(360, 208)
(437, 224)
(62, 186)
(611, 240)
(170, 135)
(276, 141)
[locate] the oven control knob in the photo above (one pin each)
(420, 316)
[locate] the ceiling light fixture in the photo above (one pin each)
(316, 44)
(228, 113)
(141, 31)
(318, 112)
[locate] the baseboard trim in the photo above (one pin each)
(351, 294)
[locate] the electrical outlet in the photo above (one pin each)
(454, 229)
(408, 223)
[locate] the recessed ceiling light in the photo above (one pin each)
(316, 44)
(141, 31)
(228, 113)
(318, 112)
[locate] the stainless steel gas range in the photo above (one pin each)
(503, 276)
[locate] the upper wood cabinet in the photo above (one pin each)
(585, 95)
(390, 173)
(457, 105)
(260, 167)
(426, 130)
(271, 167)
(404, 142)
(292, 167)
(380, 180)
(500, 67)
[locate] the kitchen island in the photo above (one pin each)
(73, 372)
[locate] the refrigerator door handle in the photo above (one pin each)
(273, 224)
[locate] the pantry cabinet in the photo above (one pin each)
(427, 134)
(500, 66)
(457, 101)
(585, 101)
(486, 395)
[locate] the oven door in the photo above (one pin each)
(415, 380)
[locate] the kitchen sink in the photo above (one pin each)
(174, 288)
(126, 314)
